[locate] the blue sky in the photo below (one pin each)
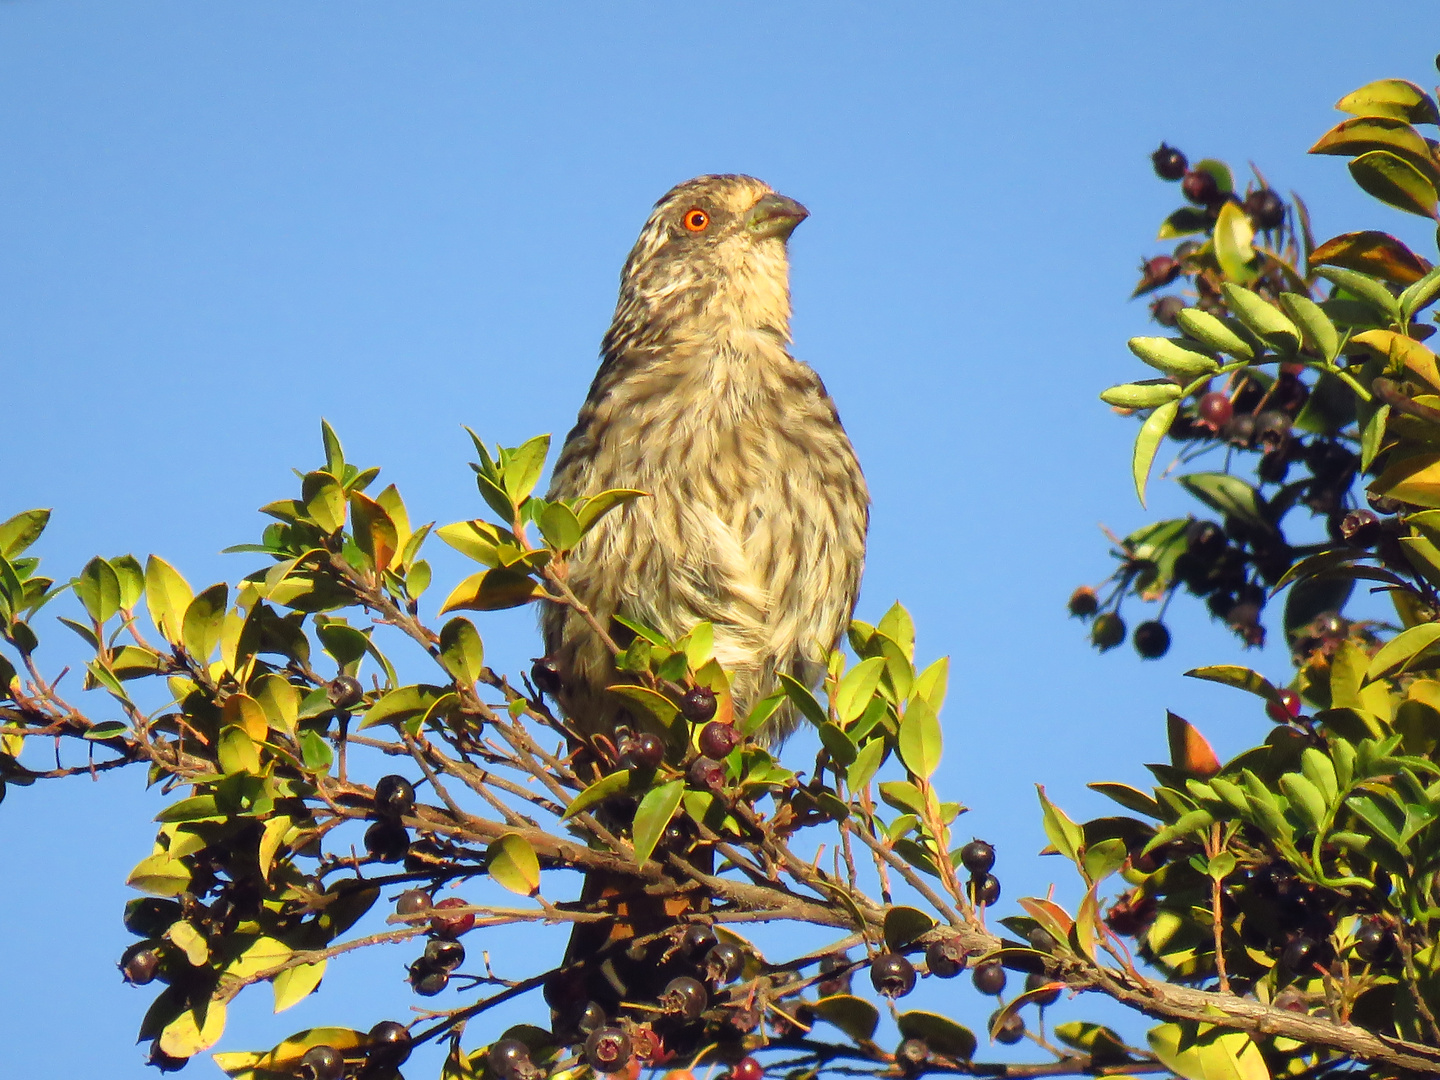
(221, 221)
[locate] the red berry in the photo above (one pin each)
(1288, 708)
(707, 773)
(717, 739)
(452, 926)
(1161, 270)
(1214, 410)
(747, 1068)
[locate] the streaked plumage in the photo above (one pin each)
(758, 509)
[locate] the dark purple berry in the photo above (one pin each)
(1152, 640)
(836, 968)
(984, 890)
(608, 1050)
(545, 674)
(707, 773)
(426, 980)
(1265, 209)
(978, 857)
(509, 1059)
(1201, 188)
(723, 963)
(1159, 271)
(697, 940)
(1034, 981)
(387, 841)
(1170, 164)
(1299, 954)
(685, 997)
(444, 954)
(1041, 940)
(892, 975)
(1011, 1029)
(322, 1063)
(1360, 528)
(1375, 943)
(140, 964)
(394, 796)
(717, 739)
(945, 958)
(344, 691)
(643, 751)
(389, 1044)
(1166, 309)
(698, 705)
(989, 977)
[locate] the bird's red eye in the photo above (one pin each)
(696, 220)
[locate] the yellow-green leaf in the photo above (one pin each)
(189, 941)
(492, 590)
(857, 687)
(512, 862)
(200, 630)
(1172, 357)
(1141, 395)
(1396, 98)
(295, 984)
(1234, 239)
(188, 1034)
(1395, 182)
(461, 650)
(324, 500)
(375, 534)
(167, 595)
(1147, 444)
(654, 813)
(920, 741)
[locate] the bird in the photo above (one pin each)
(756, 509)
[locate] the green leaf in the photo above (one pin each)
(1067, 837)
(523, 467)
(167, 595)
(867, 764)
(657, 705)
(1242, 678)
(1366, 288)
(334, 453)
(315, 752)
(512, 862)
(98, 588)
(842, 750)
(1103, 858)
(903, 795)
(1350, 138)
(1395, 182)
(1128, 797)
(1234, 238)
(1391, 97)
(461, 650)
(1228, 495)
(237, 753)
(598, 792)
(1261, 318)
(402, 704)
(854, 1016)
(22, 530)
(1146, 394)
(294, 985)
(920, 741)
(904, 925)
(375, 534)
(492, 590)
(1186, 221)
(1172, 357)
(897, 625)
(1147, 444)
(1214, 1055)
(654, 813)
(194, 1030)
(200, 630)
(591, 510)
(324, 501)
(189, 941)
(940, 1033)
(803, 700)
(160, 875)
(1403, 649)
(857, 687)
(1213, 333)
(1417, 295)
(1316, 329)
(560, 527)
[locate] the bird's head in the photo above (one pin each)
(713, 254)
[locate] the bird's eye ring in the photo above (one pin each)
(696, 220)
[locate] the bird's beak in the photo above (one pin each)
(775, 215)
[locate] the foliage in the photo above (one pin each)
(1284, 904)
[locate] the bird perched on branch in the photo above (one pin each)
(757, 509)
